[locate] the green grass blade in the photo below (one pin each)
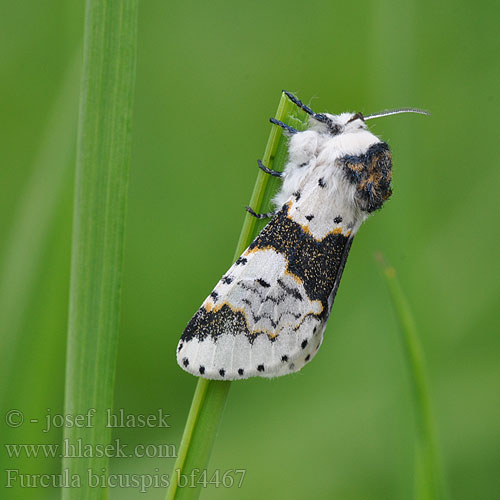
(103, 156)
(22, 260)
(210, 396)
(429, 482)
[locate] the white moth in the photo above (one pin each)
(267, 315)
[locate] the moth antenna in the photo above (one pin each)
(317, 116)
(397, 112)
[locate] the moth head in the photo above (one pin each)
(338, 124)
(352, 122)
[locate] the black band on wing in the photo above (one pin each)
(318, 264)
(205, 323)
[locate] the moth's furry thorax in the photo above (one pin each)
(345, 152)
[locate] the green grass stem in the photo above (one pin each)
(210, 396)
(103, 156)
(428, 479)
(34, 219)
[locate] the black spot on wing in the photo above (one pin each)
(309, 217)
(240, 372)
(263, 283)
(290, 291)
(337, 219)
(241, 261)
(321, 182)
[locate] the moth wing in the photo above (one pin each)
(267, 315)
(252, 324)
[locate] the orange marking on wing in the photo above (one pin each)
(253, 250)
(299, 281)
(337, 230)
(306, 230)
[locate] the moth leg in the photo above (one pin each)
(260, 216)
(317, 116)
(283, 126)
(275, 173)
(299, 103)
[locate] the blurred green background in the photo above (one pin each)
(209, 75)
